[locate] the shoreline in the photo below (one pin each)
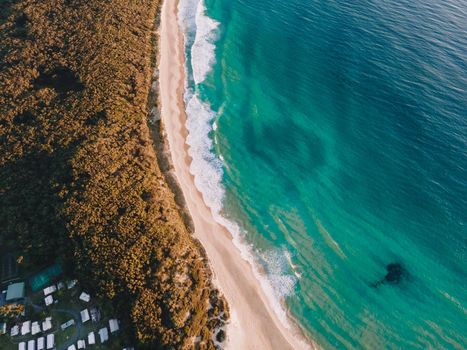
(253, 323)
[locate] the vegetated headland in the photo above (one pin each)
(79, 175)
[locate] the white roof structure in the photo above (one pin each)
(85, 297)
(91, 338)
(72, 347)
(81, 344)
(85, 315)
(26, 327)
(47, 324)
(104, 334)
(50, 289)
(60, 285)
(48, 300)
(22, 346)
(14, 330)
(50, 341)
(41, 343)
(71, 284)
(67, 324)
(35, 328)
(32, 344)
(113, 325)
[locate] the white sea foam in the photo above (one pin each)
(187, 15)
(203, 48)
(207, 168)
(278, 262)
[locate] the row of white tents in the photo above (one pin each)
(48, 342)
(33, 328)
(60, 285)
(48, 291)
(103, 336)
(41, 342)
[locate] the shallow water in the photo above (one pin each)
(333, 137)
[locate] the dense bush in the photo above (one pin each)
(78, 172)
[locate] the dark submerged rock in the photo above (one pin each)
(395, 274)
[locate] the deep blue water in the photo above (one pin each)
(339, 146)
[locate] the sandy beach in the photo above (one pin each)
(254, 324)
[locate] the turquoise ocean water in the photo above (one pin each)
(330, 137)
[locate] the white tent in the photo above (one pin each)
(26, 327)
(72, 347)
(113, 325)
(50, 341)
(85, 297)
(104, 334)
(35, 328)
(14, 330)
(22, 346)
(50, 289)
(81, 344)
(91, 338)
(48, 300)
(41, 343)
(85, 315)
(32, 344)
(47, 324)
(67, 324)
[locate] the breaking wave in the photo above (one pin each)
(200, 33)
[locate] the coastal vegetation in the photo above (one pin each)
(79, 177)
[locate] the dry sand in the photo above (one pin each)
(254, 324)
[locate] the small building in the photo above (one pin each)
(91, 338)
(48, 300)
(14, 330)
(41, 343)
(81, 344)
(2, 328)
(26, 328)
(50, 289)
(22, 346)
(104, 334)
(35, 328)
(15, 292)
(67, 324)
(47, 324)
(72, 347)
(85, 315)
(32, 344)
(50, 341)
(113, 325)
(85, 297)
(60, 285)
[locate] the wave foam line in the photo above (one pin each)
(207, 168)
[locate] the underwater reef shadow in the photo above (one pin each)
(395, 274)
